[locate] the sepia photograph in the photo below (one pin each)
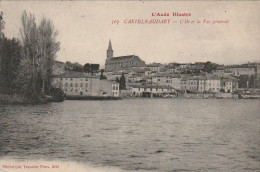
(129, 86)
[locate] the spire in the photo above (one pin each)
(109, 50)
(109, 45)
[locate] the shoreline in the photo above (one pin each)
(19, 100)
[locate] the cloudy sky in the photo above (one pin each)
(86, 27)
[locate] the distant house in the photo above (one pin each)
(154, 67)
(83, 84)
(121, 62)
(212, 84)
(237, 71)
(201, 84)
(166, 79)
(140, 90)
(219, 72)
(229, 84)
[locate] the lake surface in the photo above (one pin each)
(137, 134)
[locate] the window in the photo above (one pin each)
(151, 89)
(71, 79)
(138, 89)
(86, 90)
(66, 84)
(86, 85)
(81, 84)
(61, 79)
(76, 84)
(71, 85)
(86, 79)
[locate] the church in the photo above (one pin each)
(121, 62)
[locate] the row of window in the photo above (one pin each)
(75, 84)
(146, 89)
(71, 79)
(115, 87)
(73, 90)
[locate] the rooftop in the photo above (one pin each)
(74, 75)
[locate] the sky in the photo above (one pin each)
(86, 27)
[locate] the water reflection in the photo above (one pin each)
(141, 134)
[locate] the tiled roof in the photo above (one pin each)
(122, 58)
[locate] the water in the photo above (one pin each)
(135, 134)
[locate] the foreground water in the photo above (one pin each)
(134, 135)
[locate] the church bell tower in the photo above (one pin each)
(109, 50)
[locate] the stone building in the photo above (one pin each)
(83, 84)
(121, 62)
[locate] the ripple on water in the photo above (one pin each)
(163, 135)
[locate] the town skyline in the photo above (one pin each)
(86, 27)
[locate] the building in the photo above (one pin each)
(219, 71)
(166, 79)
(237, 71)
(140, 90)
(83, 84)
(156, 67)
(121, 62)
(212, 84)
(229, 84)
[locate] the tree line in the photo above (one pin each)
(88, 68)
(26, 64)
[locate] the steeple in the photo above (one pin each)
(110, 45)
(109, 50)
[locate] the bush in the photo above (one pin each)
(57, 94)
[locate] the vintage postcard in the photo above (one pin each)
(104, 86)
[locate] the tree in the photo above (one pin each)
(91, 68)
(77, 67)
(122, 85)
(117, 80)
(68, 66)
(38, 54)
(48, 48)
(10, 54)
(102, 76)
(87, 68)
(208, 67)
(10, 59)
(2, 25)
(1, 47)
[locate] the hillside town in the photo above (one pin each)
(30, 73)
(130, 76)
